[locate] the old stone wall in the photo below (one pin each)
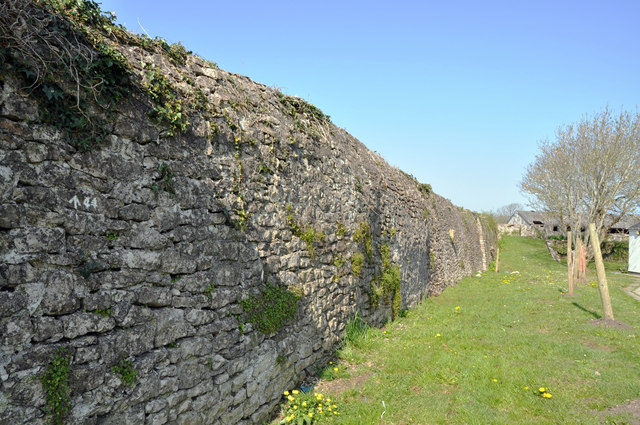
(141, 250)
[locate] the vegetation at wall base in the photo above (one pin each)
(484, 349)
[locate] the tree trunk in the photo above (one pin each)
(602, 277)
(570, 263)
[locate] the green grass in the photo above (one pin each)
(472, 365)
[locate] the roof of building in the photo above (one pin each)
(542, 217)
(635, 226)
(626, 222)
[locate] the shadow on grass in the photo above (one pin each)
(593, 313)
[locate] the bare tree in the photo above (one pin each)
(590, 173)
(505, 212)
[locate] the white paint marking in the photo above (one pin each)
(75, 201)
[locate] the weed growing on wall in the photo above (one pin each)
(386, 284)
(306, 233)
(269, 311)
(362, 236)
(55, 382)
(357, 260)
(126, 371)
(424, 188)
(165, 180)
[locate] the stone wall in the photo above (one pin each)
(141, 250)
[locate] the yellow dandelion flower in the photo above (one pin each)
(437, 335)
(335, 369)
(541, 389)
(310, 414)
(290, 398)
(286, 393)
(526, 388)
(295, 392)
(495, 380)
(304, 403)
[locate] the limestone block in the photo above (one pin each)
(171, 325)
(83, 323)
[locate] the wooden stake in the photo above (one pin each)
(570, 263)
(602, 277)
(498, 260)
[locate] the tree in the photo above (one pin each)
(590, 173)
(504, 213)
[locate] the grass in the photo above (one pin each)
(479, 352)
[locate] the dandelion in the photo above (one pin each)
(437, 335)
(335, 369)
(295, 392)
(310, 414)
(541, 389)
(526, 388)
(495, 380)
(286, 393)
(547, 395)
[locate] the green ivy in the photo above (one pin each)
(55, 382)
(269, 311)
(167, 109)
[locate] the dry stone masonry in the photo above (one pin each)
(133, 259)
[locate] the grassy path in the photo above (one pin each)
(479, 353)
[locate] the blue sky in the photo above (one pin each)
(457, 93)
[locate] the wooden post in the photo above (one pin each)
(602, 277)
(498, 260)
(583, 263)
(570, 263)
(576, 259)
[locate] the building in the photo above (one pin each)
(534, 223)
(634, 248)
(543, 224)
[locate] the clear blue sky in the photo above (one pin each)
(457, 93)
